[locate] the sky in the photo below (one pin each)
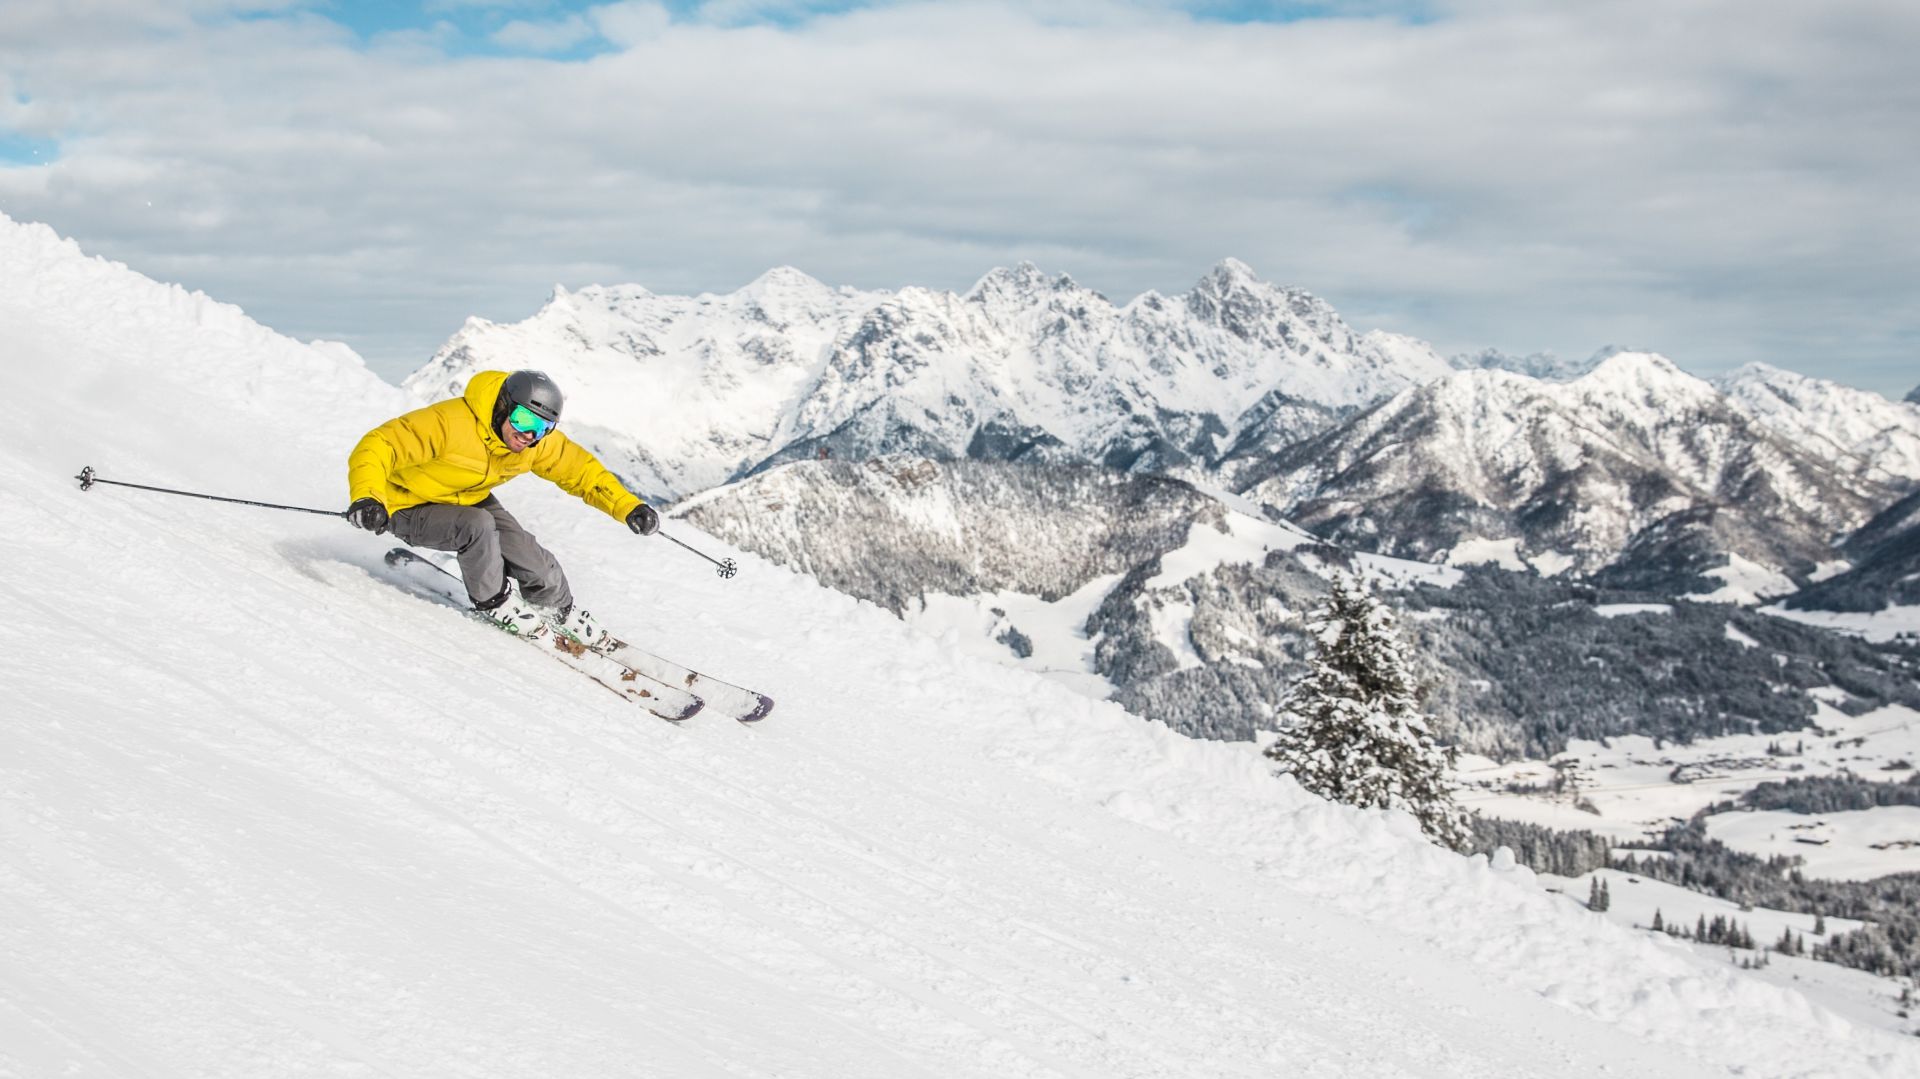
(1717, 180)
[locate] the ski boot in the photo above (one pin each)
(577, 625)
(511, 612)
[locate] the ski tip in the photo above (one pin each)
(402, 556)
(691, 710)
(759, 710)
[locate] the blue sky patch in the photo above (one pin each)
(18, 149)
(462, 27)
(1282, 11)
(472, 27)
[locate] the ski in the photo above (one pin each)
(662, 698)
(722, 697)
(743, 704)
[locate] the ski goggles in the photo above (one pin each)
(528, 422)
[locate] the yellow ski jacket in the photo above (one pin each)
(448, 452)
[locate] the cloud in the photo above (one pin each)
(545, 37)
(1723, 181)
(631, 22)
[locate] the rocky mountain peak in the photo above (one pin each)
(1022, 283)
(1914, 397)
(1647, 379)
(785, 296)
(1233, 297)
(1635, 364)
(785, 280)
(1228, 275)
(1231, 283)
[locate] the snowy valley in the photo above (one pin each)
(266, 815)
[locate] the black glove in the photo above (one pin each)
(643, 520)
(369, 514)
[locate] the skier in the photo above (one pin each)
(429, 476)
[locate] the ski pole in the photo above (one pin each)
(88, 479)
(727, 566)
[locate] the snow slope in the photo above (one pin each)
(265, 816)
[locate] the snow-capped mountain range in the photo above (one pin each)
(1621, 460)
(697, 390)
(1634, 460)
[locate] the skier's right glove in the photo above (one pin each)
(369, 514)
(643, 520)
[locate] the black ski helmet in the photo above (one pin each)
(532, 389)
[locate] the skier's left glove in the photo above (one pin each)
(369, 514)
(643, 520)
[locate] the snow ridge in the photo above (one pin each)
(1861, 431)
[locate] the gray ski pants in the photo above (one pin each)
(492, 547)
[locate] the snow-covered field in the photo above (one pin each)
(1618, 610)
(1061, 649)
(1633, 789)
(1745, 582)
(263, 815)
(1882, 625)
(1856, 845)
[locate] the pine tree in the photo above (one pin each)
(1659, 925)
(1598, 898)
(1357, 734)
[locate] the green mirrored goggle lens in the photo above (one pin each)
(525, 421)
